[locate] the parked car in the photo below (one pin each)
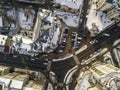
(64, 39)
(66, 31)
(74, 33)
(77, 46)
(63, 45)
(79, 37)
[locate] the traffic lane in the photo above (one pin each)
(22, 62)
(100, 44)
(11, 62)
(61, 68)
(110, 31)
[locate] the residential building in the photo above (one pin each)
(70, 5)
(34, 85)
(38, 37)
(4, 70)
(114, 13)
(19, 81)
(4, 43)
(99, 76)
(116, 51)
(103, 5)
(26, 17)
(5, 80)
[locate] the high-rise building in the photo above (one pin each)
(33, 85)
(104, 4)
(114, 13)
(4, 43)
(99, 76)
(116, 51)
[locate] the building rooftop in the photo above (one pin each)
(19, 81)
(74, 4)
(3, 39)
(33, 85)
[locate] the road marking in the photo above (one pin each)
(76, 59)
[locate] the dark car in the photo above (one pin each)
(66, 31)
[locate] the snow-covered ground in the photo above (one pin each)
(70, 19)
(75, 4)
(98, 18)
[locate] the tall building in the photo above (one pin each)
(28, 30)
(18, 81)
(114, 13)
(99, 76)
(116, 51)
(4, 43)
(33, 85)
(4, 70)
(104, 4)
(6, 80)
(70, 5)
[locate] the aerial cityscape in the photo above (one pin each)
(59, 44)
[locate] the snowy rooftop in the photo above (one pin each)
(75, 4)
(19, 81)
(70, 19)
(26, 18)
(3, 39)
(98, 18)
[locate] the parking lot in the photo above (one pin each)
(70, 41)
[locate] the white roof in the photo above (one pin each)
(99, 20)
(70, 20)
(6, 81)
(16, 84)
(7, 78)
(25, 46)
(27, 40)
(3, 39)
(75, 4)
(19, 81)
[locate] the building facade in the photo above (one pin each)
(104, 4)
(114, 13)
(116, 51)
(100, 76)
(4, 43)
